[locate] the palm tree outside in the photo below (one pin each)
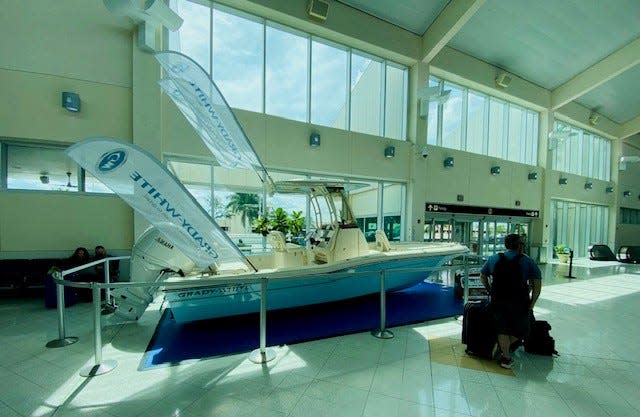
(246, 205)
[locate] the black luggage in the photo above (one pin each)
(539, 340)
(50, 294)
(478, 329)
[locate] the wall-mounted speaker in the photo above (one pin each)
(71, 101)
(318, 9)
(503, 80)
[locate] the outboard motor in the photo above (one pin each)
(152, 255)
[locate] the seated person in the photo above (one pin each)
(114, 266)
(80, 257)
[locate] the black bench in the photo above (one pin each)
(601, 253)
(22, 274)
(629, 254)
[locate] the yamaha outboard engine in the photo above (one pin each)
(152, 255)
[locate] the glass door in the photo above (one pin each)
(438, 231)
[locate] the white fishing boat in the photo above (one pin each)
(187, 248)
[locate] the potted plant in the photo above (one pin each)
(262, 225)
(563, 252)
(279, 220)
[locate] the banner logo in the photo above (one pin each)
(111, 160)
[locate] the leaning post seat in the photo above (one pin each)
(286, 255)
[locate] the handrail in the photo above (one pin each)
(92, 263)
(261, 355)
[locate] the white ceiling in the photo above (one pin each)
(565, 46)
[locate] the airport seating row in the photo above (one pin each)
(626, 254)
(20, 275)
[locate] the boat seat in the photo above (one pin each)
(286, 255)
(277, 241)
(382, 243)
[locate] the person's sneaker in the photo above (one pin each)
(506, 363)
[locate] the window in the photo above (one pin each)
(579, 152)
(395, 105)
(578, 225)
(45, 168)
(238, 59)
(452, 118)
(629, 216)
(481, 124)
(366, 94)
(496, 128)
(94, 185)
(286, 74)
(476, 109)
(195, 32)
(196, 178)
(37, 168)
(262, 66)
(236, 198)
(434, 127)
(329, 85)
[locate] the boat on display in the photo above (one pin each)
(205, 274)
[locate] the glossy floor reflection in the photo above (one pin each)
(420, 372)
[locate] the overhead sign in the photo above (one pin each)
(491, 211)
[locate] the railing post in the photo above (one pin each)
(570, 265)
(62, 340)
(99, 367)
(382, 332)
(107, 280)
(263, 354)
(466, 279)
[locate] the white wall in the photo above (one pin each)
(46, 48)
(76, 45)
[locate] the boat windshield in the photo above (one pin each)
(332, 210)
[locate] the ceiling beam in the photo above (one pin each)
(630, 128)
(446, 25)
(621, 60)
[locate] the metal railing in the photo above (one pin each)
(260, 355)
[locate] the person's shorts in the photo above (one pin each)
(512, 320)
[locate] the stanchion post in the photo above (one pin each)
(263, 354)
(382, 332)
(465, 278)
(570, 265)
(99, 367)
(107, 280)
(62, 339)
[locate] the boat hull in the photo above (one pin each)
(199, 303)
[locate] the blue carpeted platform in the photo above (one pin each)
(173, 342)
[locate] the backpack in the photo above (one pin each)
(539, 341)
(508, 285)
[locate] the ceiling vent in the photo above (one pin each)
(318, 9)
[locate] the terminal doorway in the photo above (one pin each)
(483, 235)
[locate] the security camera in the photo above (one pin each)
(425, 152)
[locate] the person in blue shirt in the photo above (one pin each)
(511, 302)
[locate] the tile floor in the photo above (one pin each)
(422, 371)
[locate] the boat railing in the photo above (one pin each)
(260, 355)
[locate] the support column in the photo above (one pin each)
(541, 227)
(417, 134)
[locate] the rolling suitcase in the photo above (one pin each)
(478, 330)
